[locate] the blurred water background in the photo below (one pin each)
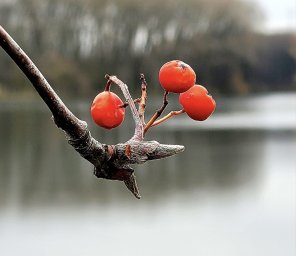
(232, 192)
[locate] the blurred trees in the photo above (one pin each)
(75, 42)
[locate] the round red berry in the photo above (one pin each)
(107, 110)
(197, 103)
(176, 76)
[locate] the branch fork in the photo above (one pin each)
(110, 161)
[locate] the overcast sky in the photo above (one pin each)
(280, 15)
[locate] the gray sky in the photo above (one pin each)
(280, 15)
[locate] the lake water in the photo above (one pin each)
(232, 192)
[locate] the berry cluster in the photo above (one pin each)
(108, 110)
(178, 77)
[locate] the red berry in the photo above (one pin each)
(106, 110)
(176, 76)
(197, 103)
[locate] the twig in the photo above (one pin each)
(142, 103)
(158, 112)
(108, 85)
(139, 129)
(169, 115)
(125, 104)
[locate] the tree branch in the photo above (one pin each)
(158, 112)
(142, 103)
(169, 115)
(139, 129)
(110, 161)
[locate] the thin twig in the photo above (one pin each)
(169, 115)
(142, 103)
(108, 85)
(139, 129)
(158, 112)
(125, 104)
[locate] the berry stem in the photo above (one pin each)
(142, 102)
(157, 113)
(108, 85)
(169, 115)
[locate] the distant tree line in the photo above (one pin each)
(76, 42)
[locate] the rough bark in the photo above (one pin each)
(110, 161)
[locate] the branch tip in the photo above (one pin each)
(132, 186)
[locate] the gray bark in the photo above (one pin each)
(110, 161)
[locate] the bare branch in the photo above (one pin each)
(158, 112)
(110, 161)
(169, 115)
(139, 129)
(52, 100)
(76, 130)
(125, 104)
(142, 103)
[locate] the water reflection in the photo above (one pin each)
(39, 167)
(228, 185)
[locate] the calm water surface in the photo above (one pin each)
(232, 192)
